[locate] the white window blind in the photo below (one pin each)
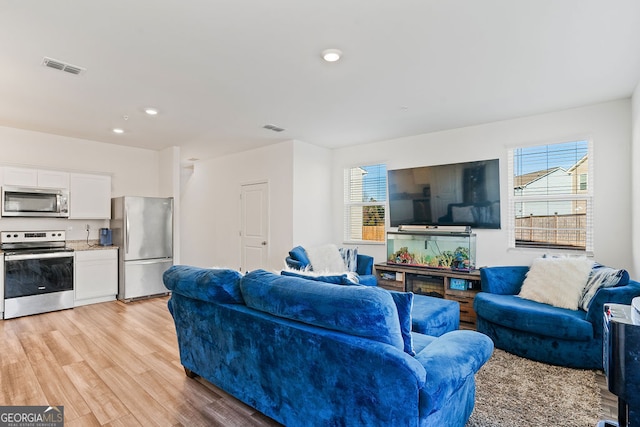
(551, 196)
(365, 198)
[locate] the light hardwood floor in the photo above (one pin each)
(117, 364)
(111, 364)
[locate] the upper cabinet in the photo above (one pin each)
(89, 196)
(26, 177)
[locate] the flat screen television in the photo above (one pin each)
(453, 194)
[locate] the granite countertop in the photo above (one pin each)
(83, 245)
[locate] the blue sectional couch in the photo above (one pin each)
(307, 353)
(542, 332)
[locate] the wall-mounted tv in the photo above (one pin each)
(453, 194)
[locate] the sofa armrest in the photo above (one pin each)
(449, 361)
(618, 295)
(364, 265)
(503, 280)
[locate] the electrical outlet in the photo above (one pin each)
(86, 227)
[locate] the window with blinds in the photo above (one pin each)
(365, 198)
(551, 196)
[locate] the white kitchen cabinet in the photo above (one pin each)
(89, 196)
(20, 177)
(96, 276)
(28, 177)
(53, 179)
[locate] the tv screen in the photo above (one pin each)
(454, 194)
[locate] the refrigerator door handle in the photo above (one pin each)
(126, 231)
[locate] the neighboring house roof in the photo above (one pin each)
(522, 181)
(578, 163)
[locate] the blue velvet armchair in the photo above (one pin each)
(542, 332)
(299, 260)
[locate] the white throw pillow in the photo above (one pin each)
(557, 281)
(326, 258)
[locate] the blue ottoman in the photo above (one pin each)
(434, 316)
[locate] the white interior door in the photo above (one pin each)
(255, 226)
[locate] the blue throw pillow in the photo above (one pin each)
(299, 254)
(404, 304)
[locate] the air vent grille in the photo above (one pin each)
(273, 128)
(62, 66)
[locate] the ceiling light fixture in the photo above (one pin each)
(118, 130)
(331, 55)
(151, 111)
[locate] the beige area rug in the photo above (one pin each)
(515, 392)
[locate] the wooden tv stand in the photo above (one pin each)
(433, 282)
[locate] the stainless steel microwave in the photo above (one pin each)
(38, 202)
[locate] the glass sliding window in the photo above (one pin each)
(551, 196)
(365, 198)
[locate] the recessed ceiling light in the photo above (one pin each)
(331, 55)
(118, 130)
(151, 111)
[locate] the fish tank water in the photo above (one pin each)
(442, 250)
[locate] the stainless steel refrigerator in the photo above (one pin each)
(142, 227)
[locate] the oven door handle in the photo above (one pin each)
(22, 257)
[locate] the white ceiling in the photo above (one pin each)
(219, 71)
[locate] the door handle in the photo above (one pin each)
(264, 243)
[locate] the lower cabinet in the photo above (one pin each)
(96, 276)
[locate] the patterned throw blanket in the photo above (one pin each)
(601, 277)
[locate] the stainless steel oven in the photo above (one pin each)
(38, 272)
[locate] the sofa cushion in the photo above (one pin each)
(557, 281)
(299, 254)
(529, 316)
(212, 285)
(363, 311)
(434, 316)
(336, 279)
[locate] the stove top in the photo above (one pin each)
(33, 240)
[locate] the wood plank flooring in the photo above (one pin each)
(111, 364)
(116, 364)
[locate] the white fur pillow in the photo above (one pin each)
(326, 258)
(557, 281)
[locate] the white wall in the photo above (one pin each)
(134, 171)
(607, 124)
(210, 203)
(635, 179)
(169, 186)
(311, 195)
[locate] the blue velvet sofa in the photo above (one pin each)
(542, 332)
(299, 260)
(307, 353)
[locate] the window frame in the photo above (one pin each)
(585, 196)
(348, 204)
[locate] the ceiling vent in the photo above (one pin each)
(273, 128)
(62, 66)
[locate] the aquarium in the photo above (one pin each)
(443, 250)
